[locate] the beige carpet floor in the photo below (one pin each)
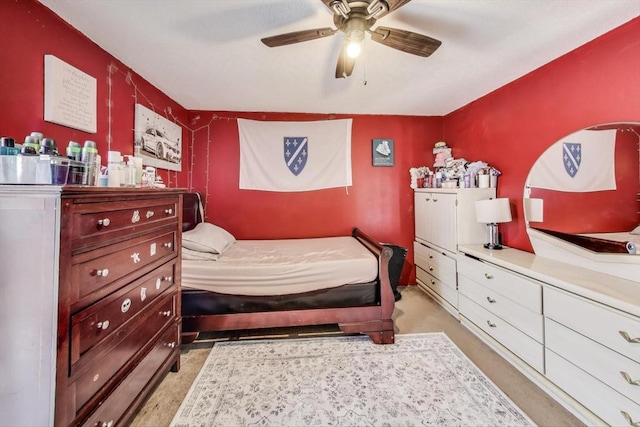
(415, 312)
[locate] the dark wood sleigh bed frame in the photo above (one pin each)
(372, 320)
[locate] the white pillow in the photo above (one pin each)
(206, 237)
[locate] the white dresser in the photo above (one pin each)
(574, 331)
(444, 219)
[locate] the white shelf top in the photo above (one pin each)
(612, 291)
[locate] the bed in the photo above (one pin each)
(253, 284)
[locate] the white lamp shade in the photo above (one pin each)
(493, 211)
(533, 210)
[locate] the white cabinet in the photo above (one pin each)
(589, 343)
(578, 329)
(505, 306)
(444, 219)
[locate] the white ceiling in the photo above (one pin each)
(207, 54)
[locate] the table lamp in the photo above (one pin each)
(492, 212)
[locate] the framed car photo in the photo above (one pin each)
(157, 140)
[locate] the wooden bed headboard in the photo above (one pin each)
(191, 210)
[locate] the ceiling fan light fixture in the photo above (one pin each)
(377, 8)
(354, 48)
(341, 7)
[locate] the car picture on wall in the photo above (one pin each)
(157, 140)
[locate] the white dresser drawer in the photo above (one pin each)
(521, 318)
(516, 341)
(446, 291)
(602, 400)
(435, 263)
(596, 321)
(521, 290)
(599, 361)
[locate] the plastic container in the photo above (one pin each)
(60, 170)
(25, 169)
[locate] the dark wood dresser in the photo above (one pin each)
(116, 268)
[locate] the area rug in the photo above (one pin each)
(422, 379)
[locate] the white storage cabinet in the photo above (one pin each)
(444, 219)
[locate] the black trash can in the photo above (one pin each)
(395, 267)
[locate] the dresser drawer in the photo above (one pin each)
(527, 321)
(604, 364)
(96, 322)
(517, 288)
(435, 263)
(97, 269)
(446, 291)
(100, 366)
(515, 340)
(104, 221)
(602, 324)
(600, 399)
(126, 396)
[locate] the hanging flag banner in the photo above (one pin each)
(294, 156)
(582, 162)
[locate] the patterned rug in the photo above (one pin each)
(422, 379)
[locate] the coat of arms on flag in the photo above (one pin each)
(572, 157)
(296, 152)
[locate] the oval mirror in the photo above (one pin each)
(582, 200)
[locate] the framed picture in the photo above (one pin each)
(157, 140)
(382, 152)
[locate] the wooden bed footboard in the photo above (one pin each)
(374, 320)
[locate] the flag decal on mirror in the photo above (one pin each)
(572, 157)
(296, 153)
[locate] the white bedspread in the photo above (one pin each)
(280, 267)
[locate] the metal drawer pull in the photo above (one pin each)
(433, 282)
(435, 200)
(167, 278)
(628, 338)
(167, 245)
(150, 214)
(104, 222)
(430, 256)
(491, 300)
(103, 325)
(103, 273)
(171, 344)
(105, 424)
(491, 324)
(166, 313)
(426, 199)
(629, 419)
(488, 276)
(168, 211)
(430, 268)
(628, 378)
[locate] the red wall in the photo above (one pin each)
(510, 127)
(380, 201)
(30, 31)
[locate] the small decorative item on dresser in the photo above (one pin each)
(492, 212)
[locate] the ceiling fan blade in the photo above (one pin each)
(298, 36)
(406, 41)
(345, 65)
(393, 5)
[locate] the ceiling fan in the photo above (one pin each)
(355, 18)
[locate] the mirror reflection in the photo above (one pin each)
(585, 190)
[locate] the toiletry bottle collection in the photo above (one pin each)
(39, 161)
